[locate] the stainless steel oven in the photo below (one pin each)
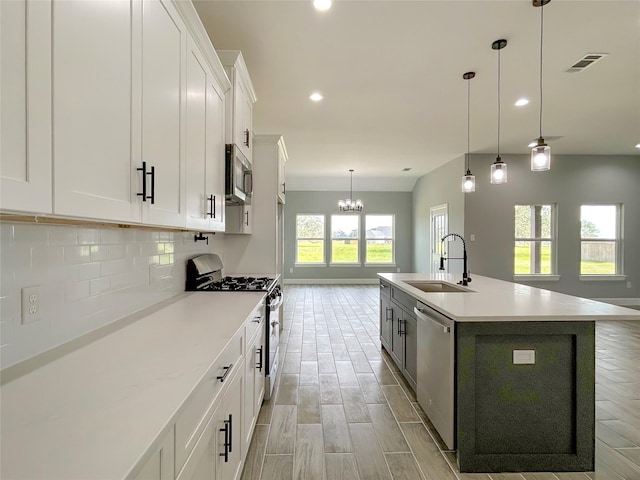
(238, 177)
(204, 274)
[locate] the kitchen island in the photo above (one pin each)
(505, 372)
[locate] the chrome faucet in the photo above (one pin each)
(465, 274)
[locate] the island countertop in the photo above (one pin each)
(492, 300)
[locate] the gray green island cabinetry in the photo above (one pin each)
(505, 372)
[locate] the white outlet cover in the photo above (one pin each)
(524, 357)
(30, 304)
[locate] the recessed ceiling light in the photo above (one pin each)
(521, 101)
(637, 145)
(316, 97)
(322, 4)
(406, 169)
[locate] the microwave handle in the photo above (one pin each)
(248, 182)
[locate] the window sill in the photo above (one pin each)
(601, 278)
(309, 265)
(536, 278)
(345, 265)
(380, 265)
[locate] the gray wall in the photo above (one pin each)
(396, 203)
(436, 188)
(572, 180)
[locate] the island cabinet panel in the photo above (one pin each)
(398, 330)
(525, 396)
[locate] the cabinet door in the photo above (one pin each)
(282, 186)
(215, 153)
(204, 145)
(231, 417)
(25, 89)
(239, 219)
(93, 98)
(160, 464)
(201, 464)
(410, 363)
(162, 116)
(386, 322)
(242, 116)
(397, 339)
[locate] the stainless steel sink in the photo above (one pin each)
(435, 286)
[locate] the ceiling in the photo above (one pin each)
(394, 96)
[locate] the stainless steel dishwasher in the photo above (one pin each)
(435, 381)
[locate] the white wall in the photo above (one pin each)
(442, 186)
(88, 277)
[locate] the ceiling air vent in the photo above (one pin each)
(586, 61)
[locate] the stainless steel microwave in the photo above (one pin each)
(238, 180)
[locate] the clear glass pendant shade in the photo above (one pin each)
(498, 172)
(540, 157)
(468, 183)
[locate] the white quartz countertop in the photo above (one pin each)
(92, 413)
(491, 300)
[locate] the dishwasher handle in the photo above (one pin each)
(421, 313)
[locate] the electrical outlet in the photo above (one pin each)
(629, 284)
(291, 270)
(30, 304)
(473, 237)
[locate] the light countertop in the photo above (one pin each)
(491, 300)
(93, 412)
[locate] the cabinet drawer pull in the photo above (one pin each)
(388, 309)
(212, 210)
(230, 433)
(284, 188)
(400, 331)
(227, 370)
(256, 319)
(246, 137)
(246, 222)
(153, 185)
(227, 442)
(259, 364)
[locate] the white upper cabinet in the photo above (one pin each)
(94, 94)
(205, 144)
(123, 123)
(163, 106)
(25, 89)
(240, 98)
(282, 160)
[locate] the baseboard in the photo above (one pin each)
(619, 301)
(331, 281)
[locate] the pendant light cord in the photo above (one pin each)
(498, 103)
(468, 119)
(541, 35)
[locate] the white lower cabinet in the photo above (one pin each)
(254, 383)
(217, 454)
(160, 465)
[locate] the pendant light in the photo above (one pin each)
(541, 153)
(468, 180)
(499, 168)
(350, 205)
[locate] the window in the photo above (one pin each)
(309, 239)
(379, 239)
(600, 240)
(534, 240)
(345, 232)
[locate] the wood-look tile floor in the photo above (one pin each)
(342, 411)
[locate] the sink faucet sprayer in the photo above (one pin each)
(465, 274)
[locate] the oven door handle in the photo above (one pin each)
(275, 306)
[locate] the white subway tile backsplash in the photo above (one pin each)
(86, 271)
(88, 236)
(88, 277)
(31, 234)
(77, 254)
(65, 236)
